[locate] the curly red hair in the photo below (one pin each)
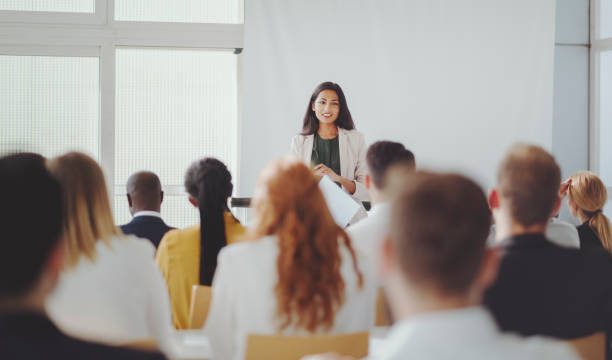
(310, 287)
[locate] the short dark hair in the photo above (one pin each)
(439, 226)
(310, 125)
(30, 219)
(528, 178)
(144, 188)
(382, 155)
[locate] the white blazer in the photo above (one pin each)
(244, 302)
(352, 157)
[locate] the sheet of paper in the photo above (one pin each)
(340, 204)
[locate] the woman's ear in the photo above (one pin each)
(193, 201)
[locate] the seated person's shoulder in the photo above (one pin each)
(536, 347)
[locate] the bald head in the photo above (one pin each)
(144, 192)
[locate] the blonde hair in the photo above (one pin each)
(589, 195)
(87, 213)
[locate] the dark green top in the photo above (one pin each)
(326, 152)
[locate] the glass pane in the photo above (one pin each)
(176, 211)
(605, 117)
(172, 108)
(187, 11)
(605, 19)
(76, 6)
(49, 105)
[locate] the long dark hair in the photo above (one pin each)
(344, 120)
(209, 181)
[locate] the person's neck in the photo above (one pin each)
(376, 196)
(28, 303)
(406, 301)
(510, 228)
(582, 218)
(327, 131)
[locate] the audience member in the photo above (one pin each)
(189, 257)
(144, 196)
(435, 267)
(111, 290)
(299, 275)
(542, 288)
(30, 264)
(586, 197)
(367, 233)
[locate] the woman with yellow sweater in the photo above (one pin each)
(188, 257)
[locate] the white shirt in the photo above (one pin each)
(147, 213)
(118, 298)
(368, 233)
(243, 299)
(469, 334)
(557, 231)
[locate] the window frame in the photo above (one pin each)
(57, 17)
(29, 33)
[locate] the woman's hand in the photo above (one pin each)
(322, 170)
(564, 187)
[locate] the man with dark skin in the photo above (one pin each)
(145, 195)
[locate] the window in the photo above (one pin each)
(134, 88)
(74, 6)
(49, 104)
(601, 94)
(173, 106)
(187, 11)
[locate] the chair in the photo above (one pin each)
(265, 347)
(592, 347)
(142, 344)
(200, 302)
(383, 315)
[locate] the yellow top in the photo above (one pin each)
(178, 257)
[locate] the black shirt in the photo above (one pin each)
(326, 152)
(546, 289)
(32, 336)
(588, 239)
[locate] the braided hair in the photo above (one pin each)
(210, 182)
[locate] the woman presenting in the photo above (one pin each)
(330, 142)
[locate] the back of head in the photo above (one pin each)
(87, 213)
(588, 193)
(144, 189)
(210, 183)
(289, 204)
(528, 181)
(439, 227)
(382, 155)
(31, 220)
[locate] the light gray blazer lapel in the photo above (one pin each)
(344, 155)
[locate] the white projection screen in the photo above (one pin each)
(456, 81)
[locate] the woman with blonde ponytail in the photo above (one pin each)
(298, 275)
(586, 197)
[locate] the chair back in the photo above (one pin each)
(383, 315)
(265, 347)
(591, 347)
(200, 302)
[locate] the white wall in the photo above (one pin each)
(456, 81)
